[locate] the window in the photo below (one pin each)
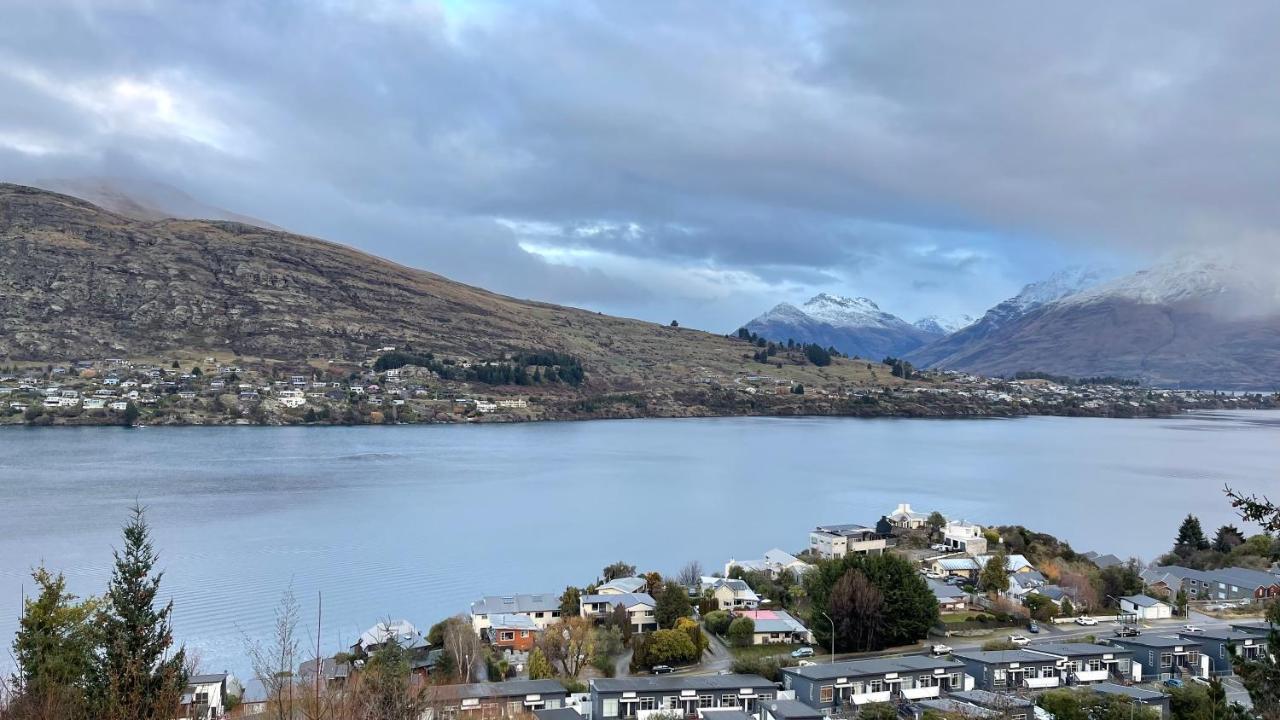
(648, 703)
(706, 701)
(609, 708)
(875, 686)
(826, 694)
(513, 708)
(524, 633)
(1166, 660)
(731, 700)
(673, 702)
(766, 696)
(506, 635)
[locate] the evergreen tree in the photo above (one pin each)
(1227, 538)
(671, 605)
(570, 602)
(995, 575)
(137, 675)
(1190, 537)
(1065, 608)
(539, 667)
(53, 648)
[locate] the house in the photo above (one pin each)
(488, 701)
(1023, 584)
(831, 687)
(1217, 646)
(836, 541)
(1010, 670)
(1222, 584)
(787, 710)
(1003, 704)
(1013, 563)
(333, 674)
(206, 696)
(905, 518)
(1085, 663)
(950, 598)
(623, 586)
(776, 626)
(291, 398)
(774, 562)
(1145, 607)
(964, 567)
(1149, 698)
(119, 406)
(1103, 561)
(543, 609)
(684, 694)
(731, 594)
(639, 606)
(401, 632)
(1160, 657)
(965, 537)
(516, 633)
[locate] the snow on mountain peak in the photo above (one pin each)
(1064, 283)
(938, 325)
(1186, 277)
(840, 311)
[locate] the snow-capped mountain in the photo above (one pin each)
(940, 326)
(1192, 321)
(855, 326)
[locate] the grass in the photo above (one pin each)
(958, 617)
(755, 652)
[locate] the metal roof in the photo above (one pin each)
(662, 683)
(874, 666)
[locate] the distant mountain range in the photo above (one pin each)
(854, 326)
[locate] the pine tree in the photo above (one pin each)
(53, 648)
(1190, 537)
(137, 677)
(539, 667)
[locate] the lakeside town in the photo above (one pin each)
(916, 615)
(395, 387)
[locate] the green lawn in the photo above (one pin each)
(752, 652)
(959, 617)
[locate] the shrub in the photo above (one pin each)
(741, 631)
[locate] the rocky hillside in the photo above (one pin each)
(854, 326)
(1191, 322)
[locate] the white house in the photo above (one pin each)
(906, 518)
(206, 696)
(731, 594)
(1145, 607)
(543, 609)
(774, 562)
(292, 398)
(776, 626)
(964, 537)
(640, 608)
(836, 541)
(622, 586)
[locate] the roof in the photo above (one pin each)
(782, 557)
(1226, 635)
(662, 683)
(329, 669)
(773, 621)
(1243, 577)
(1014, 563)
(623, 585)
(739, 587)
(1157, 641)
(1142, 600)
(791, 709)
(957, 563)
(988, 699)
(1070, 649)
(495, 604)
(560, 713)
(510, 688)
(956, 708)
(1105, 561)
(943, 591)
(627, 600)
(846, 529)
(725, 714)
(402, 631)
(1138, 694)
(506, 621)
(206, 679)
(997, 657)
(873, 666)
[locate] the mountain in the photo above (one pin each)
(144, 200)
(1193, 321)
(854, 326)
(939, 326)
(80, 282)
(945, 351)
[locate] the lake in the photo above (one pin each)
(418, 521)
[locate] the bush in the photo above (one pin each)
(717, 622)
(741, 631)
(769, 668)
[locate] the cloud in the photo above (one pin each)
(704, 160)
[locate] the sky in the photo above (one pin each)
(696, 161)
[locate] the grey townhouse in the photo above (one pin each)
(1222, 584)
(1004, 670)
(1160, 657)
(1004, 705)
(1150, 698)
(487, 701)
(1087, 663)
(1216, 646)
(834, 686)
(683, 694)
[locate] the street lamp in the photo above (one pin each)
(833, 634)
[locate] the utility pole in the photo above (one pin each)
(319, 660)
(833, 635)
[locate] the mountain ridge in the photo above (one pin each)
(854, 326)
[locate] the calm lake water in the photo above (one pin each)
(416, 522)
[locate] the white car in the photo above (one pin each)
(1019, 640)
(940, 649)
(939, 548)
(1086, 620)
(1192, 629)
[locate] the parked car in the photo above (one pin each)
(1086, 620)
(1127, 631)
(939, 547)
(1202, 681)
(1192, 629)
(1173, 683)
(662, 669)
(1033, 627)
(802, 652)
(940, 649)
(802, 663)
(1019, 640)
(935, 575)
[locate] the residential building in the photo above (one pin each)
(1160, 657)
(1222, 584)
(1010, 670)
(905, 518)
(684, 694)
(1013, 563)
(639, 606)
(1005, 705)
(487, 701)
(1103, 561)
(623, 586)
(836, 541)
(333, 674)
(965, 567)
(774, 562)
(1217, 645)
(515, 633)
(1086, 663)
(950, 598)
(965, 537)
(1150, 698)
(1145, 607)
(205, 697)
(832, 687)
(788, 710)
(402, 632)
(776, 626)
(731, 594)
(543, 609)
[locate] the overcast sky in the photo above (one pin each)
(690, 160)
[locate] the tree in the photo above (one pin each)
(652, 582)
(1180, 601)
(607, 645)
(1261, 677)
(672, 604)
(462, 646)
(669, 647)
(1065, 608)
(1256, 509)
(1227, 538)
(54, 648)
(717, 622)
(1121, 580)
(1041, 607)
(1190, 537)
(621, 619)
(385, 692)
(935, 522)
(690, 575)
(273, 665)
(568, 644)
(618, 570)
(675, 324)
(539, 667)
(130, 415)
(995, 574)
(857, 608)
(910, 607)
(570, 602)
(741, 631)
(690, 627)
(138, 675)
